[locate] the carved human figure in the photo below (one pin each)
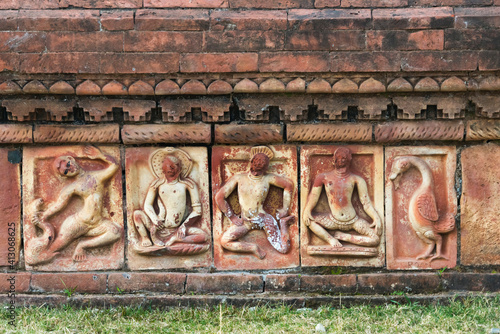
(88, 222)
(339, 185)
(253, 188)
(169, 193)
(422, 212)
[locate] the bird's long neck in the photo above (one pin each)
(425, 171)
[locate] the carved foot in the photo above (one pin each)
(79, 255)
(146, 243)
(438, 257)
(423, 256)
(172, 240)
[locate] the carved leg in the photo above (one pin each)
(102, 235)
(439, 245)
(71, 229)
(233, 233)
(324, 235)
(367, 238)
(141, 220)
(428, 238)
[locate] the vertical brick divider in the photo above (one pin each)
(458, 217)
(210, 191)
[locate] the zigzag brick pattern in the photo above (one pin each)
(422, 130)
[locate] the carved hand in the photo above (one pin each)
(181, 232)
(160, 224)
(307, 218)
(377, 224)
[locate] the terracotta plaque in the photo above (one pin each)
(10, 207)
(480, 222)
(255, 207)
(342, 206)
(168, 208)
(73, 219)
(421, 205)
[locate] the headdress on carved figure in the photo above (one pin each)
(157, 158)
(263, 150)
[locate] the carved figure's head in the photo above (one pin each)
(399, 166)
(259, 163)
(171, 167)
(342, 157)
(66, 166)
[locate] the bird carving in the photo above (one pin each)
(423, 212)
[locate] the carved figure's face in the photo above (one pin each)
(341, 158)
(171, 168)
(68, 167)
(399, 166)
(259, 163)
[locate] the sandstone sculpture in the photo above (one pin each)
(253, 188)
(340, 184)
(423, 212)
(89, 225)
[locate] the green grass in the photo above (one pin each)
(474, 315)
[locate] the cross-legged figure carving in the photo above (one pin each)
(169, 192)
(339, 185)
(253, 188)
(89, 221)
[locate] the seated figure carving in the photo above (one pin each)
(339, 185)
(165, 225)
(88, 225)
(253, 187)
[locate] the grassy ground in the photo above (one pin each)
(475, 315)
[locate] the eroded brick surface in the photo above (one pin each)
(329, 132)
(422, 130)
(480, 198)
(102, 134)
(166, 133)
(406, 283)
(483, 130)
(328, 283)
(421, 205)
(248, 134)
(16, 134)
(224, 283)
(79, 282)
(149, 282)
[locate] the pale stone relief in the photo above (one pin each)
(423, 214)
(167, 221)
(253, 187)
(80, 212)
(339, 185)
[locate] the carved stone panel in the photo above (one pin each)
(421, 205)
(168, 208)
(342, 206)
(480, 202)
(73, 218)
(255, 207)
(10, 207)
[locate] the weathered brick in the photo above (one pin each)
(20, 283)
(272, 85)
(451, 2)
(97, 110)
(294, 62)
(365, 61)
(472, 39)
(61, 87)
(271, 4)
(81, 62)
(480, 234)
(117, 20)
(186, 4)
(374, 3)
(248, 134)
(415, 107)
(54, 110)
(219, 62)
(282, 283)
(88, 87)
(383, 40)
(140, 63)
(471, 281)
(16, 134)
(328, 283)
(413, 18)
(483, 130)
(22, 42)
(174, 19)
(57, 282)
(9, 62)
(326, 3)
(422, 130)
(146, 282)
(167, 133)
(425, 61)
(329, 19)
(35, 87)
(219, 87)
(101, 3)
(359, 132)
(152, 41)
(326, 40)
(224, 283)
(489, 60)
(407, 283)
(248, 20)
(8, 19)
(477, 18)
(213, 109)
(29, 4)
(226, 41)
(59, 20)
(85, 42)
(109, 133)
